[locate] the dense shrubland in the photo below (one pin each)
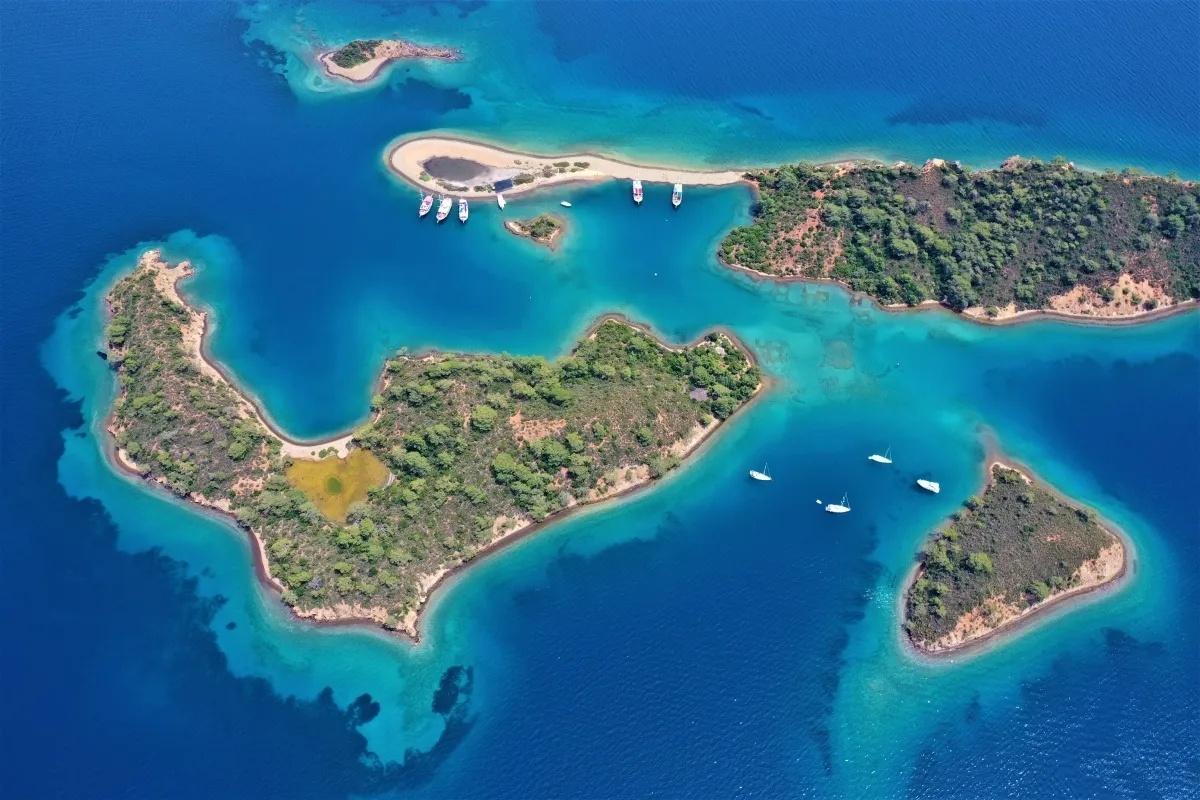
(1019, 234)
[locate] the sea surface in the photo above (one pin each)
(713, 637)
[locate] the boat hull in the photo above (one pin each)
(758, 476)
(880, 459)
(929, 486)
(833, 508)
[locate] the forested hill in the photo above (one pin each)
(1020, 235)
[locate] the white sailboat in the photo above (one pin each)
(886, 458)
(677, 195)
(462, 209)
(500, 201)
(637, 192)
(564, 204)
(839, 508)
(444, 208)
(929, 486)
(426, 204)
(765, 475)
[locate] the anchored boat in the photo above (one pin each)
(444, 208)
(426, 204)
(929, 486)
(677, 195)
(462, 209)
(637, 192)
(500, 201)
(765, 475)
(839, 508)
(886, 458)
(564, 204)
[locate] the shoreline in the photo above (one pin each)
(1061, 602)
(405, 157)
(411, 629)
(1020, 318)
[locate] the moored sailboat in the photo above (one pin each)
(426, 204)
(929, 486)
(839, 508)
(462, 209)
(500, 201)
(677, 195)
(444, 208)
(886, 458)
(637, 192)
(765, 475)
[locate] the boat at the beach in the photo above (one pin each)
(500, 201)
(426, 204)
(839, 508)
(677, 195)
(765, 475)
(929, 486)
(462, 209)
(886, 458)
(637, 192)
(564, 204)
(444, 208)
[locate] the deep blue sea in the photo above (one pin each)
(709, 638)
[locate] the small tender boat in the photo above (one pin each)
(444, 208)
(637, 192)
(886, 458)
(426, 204)
(929, 486)
(765, 475)
(564, 204)
(462, 209)
(500, 201)
(677, 195)
(839, 508)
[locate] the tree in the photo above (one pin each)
(980, 563)
(483, 418)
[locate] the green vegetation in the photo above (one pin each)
(541, 228)
(1015, 546)
(467, 440)
(357, 52)
(1019, 234)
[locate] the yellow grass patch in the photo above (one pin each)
(334, 483)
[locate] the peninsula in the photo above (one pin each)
(463, 453)
(473, 168)
(362, 59)
(1015, 551)
(1028, 237)
(543, 229)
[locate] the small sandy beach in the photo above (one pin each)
(475, 164)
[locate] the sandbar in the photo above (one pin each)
(409, 159)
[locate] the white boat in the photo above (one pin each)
(637, 192)
(929, 486)
(839, 508)
(564, 204)
(500, 201)
(426, 204)
(886, 458)
(677, 195)
(462, 209)
(765, 475)
(444, 208)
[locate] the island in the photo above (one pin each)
(1029, 237)
(477, 169)
(462, 454)
(362, 59)
(1010, 554)
(544, 229)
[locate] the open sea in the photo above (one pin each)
(709, 638)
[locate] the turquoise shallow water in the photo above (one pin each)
(711, 637)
